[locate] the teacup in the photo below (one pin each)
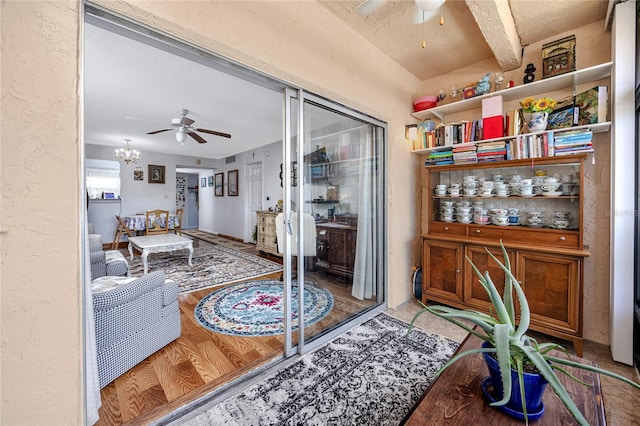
(464, 218)
(464, 210)
(538, 180)
(447, 218)
(441, 192)
(464, 203)
(561, 214)
(550, 187)
(470, 191)
(513, 211)
(499, 212)
(497, 178)
(550, 180)
(516, 178)
(441, 186)
(526, 182)
(454, 192)
(454, 185)
(469, 178)
(502, 192)
(500, 220)
(447, 211)
(514, 219)
(487, 192)
(480, 211)
(481, 219)
(560, 223)
(534, 220)
(487, 184)
(525, 190)
(535, 213)
(446, 203)
(470, 185)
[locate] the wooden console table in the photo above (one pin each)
(455, 397)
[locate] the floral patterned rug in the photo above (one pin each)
(370, 375)
(212, 266)
(255, 308)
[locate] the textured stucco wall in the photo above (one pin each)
(593, 47)
(299, 42)
(40, 210)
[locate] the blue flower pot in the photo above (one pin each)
(534, 387)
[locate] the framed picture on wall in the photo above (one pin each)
(219, 184)
(156, 174)
(232, 190)
(210, 180)
(203, 182)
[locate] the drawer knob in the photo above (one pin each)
(457, 271)
(446, 228)
(562, 238)
(477, 231)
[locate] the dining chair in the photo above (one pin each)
(121, 230)
(177, 226)
(156, 222)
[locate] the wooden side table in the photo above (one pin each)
(455, 397)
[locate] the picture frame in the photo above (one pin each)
(559, 57)
(210, 181)
(138, 174)
(562, 118)
(156, 174)
(218, 180)
(232, 188)
(203, 182)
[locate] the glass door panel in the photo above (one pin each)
(336, 213)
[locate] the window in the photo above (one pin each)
(102, 179)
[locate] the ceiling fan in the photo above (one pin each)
(424, 10)
(183, 126)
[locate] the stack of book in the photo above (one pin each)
(572, 142)
(492, 151)
(464, 153)
(439, 158)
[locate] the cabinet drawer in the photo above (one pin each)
(447, 228)
(527, 235)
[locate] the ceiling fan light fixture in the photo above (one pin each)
(126, 154)
(181, 135)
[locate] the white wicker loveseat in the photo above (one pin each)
(134, 317)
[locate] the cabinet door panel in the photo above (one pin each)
(442, 278)
(552, 286)
(475, 295)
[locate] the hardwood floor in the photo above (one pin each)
(200, 361)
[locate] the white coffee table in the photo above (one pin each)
(159, 244)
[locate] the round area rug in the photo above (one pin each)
(255, 308)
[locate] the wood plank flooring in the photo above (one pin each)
(200, 361)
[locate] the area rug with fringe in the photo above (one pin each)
(255, 308)
(218, 240)
(212, 266)
(370, 375)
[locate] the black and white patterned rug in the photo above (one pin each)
(370, 375)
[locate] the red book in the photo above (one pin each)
(493, 127)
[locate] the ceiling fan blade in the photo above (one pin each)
(186, 121)
(368, 7)
(197, 137)
(158, 131)
(213, 132)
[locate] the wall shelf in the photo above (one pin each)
(563, 81)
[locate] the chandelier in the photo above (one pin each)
(126, 154)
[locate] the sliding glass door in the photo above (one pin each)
(334, 217)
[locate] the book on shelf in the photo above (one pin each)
(564, 117)
(592, 104)
(493, 127)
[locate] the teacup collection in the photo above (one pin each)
(514, 185)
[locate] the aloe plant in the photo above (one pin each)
(509, 342)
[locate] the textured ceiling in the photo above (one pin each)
(462, 40)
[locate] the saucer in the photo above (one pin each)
(531, 195)
(487, 390)
(552, 193)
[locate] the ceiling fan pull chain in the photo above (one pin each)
(442, 13)
(424, 41)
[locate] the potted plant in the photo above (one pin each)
(507, 345)
(537, 112)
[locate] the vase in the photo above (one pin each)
(536, 121)
(535, 385)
